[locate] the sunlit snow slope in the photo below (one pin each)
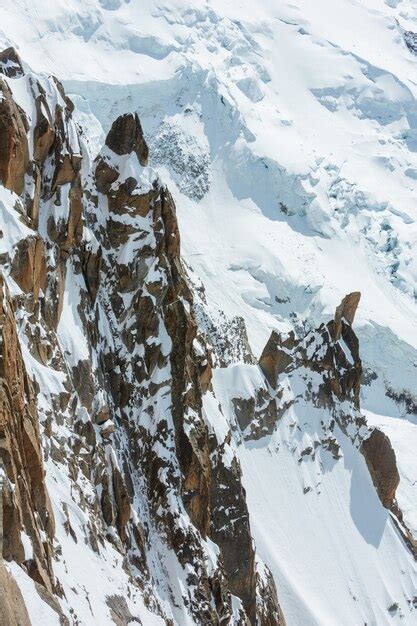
(287, 132)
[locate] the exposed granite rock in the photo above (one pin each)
(257, 416)
(269, 611)
(322, 352)
(29, 266)
(26, 502)
(164, 300)
(276, 356)
(127, 427)
(230, 528)
(14, 151)
(161, 301)
(126, 136)
(44, 131)
(143, 463)
(105, 175)
(91, 265)
(328, 361)
(345, 311)
(119, 610)
(380, 459)
(10, 63)
(13, 610)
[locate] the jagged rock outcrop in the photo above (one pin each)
(331, 374)
(117, 398)
(257, 415)
(275, 358)
(327, 360)
(321, 351)
(126, 136)
(10, 63)
(162, 299)
(105, 307)
(345, 311)
(270, 613)
(230, 529)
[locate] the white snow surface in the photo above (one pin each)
(295, 125)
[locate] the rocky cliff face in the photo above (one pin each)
(95, 292)
(26, 507)
(108, 408)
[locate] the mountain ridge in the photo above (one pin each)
(271, 243)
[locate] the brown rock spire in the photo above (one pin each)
(346, 311)
(10, 63)
(126, 136)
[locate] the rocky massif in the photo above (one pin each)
(118, 445)
(99, 295)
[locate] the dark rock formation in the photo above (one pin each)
(29, 266)
(276, 356)
(320, 351)
(10, 63)
(257, 416)
(230, 529)
(164, 301)
(410, 39)
(14, 152)
(382, 465)
(126, 426)
(270, 613)
(126, 136)
(26, 505)
(345, 311)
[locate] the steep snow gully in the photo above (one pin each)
(208, 321)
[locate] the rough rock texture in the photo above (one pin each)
(345, 311)
(26, 505)
(274, 358)
(380, 458)
(257, 416)
(230, 529)
(13, 610)
(96, 294)
(29, 266)
(327, 363)
(270, 613)
(106, 379)
(331, 375)
(10, 63)
(321, 351)
(163, 300)
(14, 151)
(126, 136)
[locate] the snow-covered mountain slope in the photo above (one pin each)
(285, 120)
(121, 503)
(292, 126)
(287, 134)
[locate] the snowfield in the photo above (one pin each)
(287, 134)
